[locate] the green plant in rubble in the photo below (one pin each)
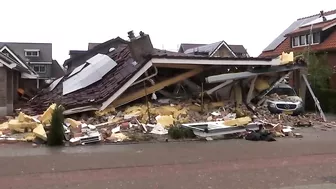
(56, 134)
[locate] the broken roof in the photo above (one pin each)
(95, 48)
(100, 90)
(96, 93)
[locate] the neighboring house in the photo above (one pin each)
(318, 32)
(10, 77)
(36, 57)
(78, 57)
(218, 49)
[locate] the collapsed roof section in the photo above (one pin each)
(105, 80)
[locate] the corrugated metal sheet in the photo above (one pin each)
(99, 65)
(277, 41)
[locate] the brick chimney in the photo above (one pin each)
(140, 46)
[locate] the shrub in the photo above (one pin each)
(56, 135)
(326, 97)
(176, 132)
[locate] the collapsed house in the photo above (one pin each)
(118, 77)
(175, 88)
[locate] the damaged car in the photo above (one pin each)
(283, 99)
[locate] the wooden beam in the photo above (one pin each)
(177, 66)
(250, 92)
(141, 93)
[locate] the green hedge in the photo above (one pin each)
(327, 98)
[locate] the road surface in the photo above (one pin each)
(288, 163)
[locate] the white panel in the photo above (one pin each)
(76, 70)
(53, 85)
(98, 67)
(98, 58)
(319, 20)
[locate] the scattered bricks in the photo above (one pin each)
(125, 126)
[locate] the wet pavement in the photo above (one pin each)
(309, 162)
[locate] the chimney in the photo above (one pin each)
(322, 15)
(140, 46)
(131, 35)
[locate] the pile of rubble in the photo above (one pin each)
(152, 121)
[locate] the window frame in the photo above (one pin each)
(30, 53)
(39, 68)
(313, 42)
(293, 41)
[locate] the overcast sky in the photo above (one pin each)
(72, 24)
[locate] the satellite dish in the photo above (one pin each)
(111, 49)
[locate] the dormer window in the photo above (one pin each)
(32, 52)
(305, 40)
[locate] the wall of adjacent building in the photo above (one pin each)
(3, 91)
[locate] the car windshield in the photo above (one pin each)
(283, 91)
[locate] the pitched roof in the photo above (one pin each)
(314, 27)
(95, 48)
(238, 49)
(19, 50)
(186, 46)
(283, 44)
(92, 45)
(13, 64)
(235, 48)
(176, 55)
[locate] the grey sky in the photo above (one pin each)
(72, 24)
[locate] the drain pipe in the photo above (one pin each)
(148, 77)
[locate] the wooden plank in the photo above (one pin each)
(250, 92)
(141, 93)
(177, 66)
(317, 103)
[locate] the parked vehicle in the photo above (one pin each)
(283, 99)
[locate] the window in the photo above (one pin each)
(295, 41)
(303, 40)
(316, 37)
(39, 68)
(32, 53)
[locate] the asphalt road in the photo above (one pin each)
(288, 163)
